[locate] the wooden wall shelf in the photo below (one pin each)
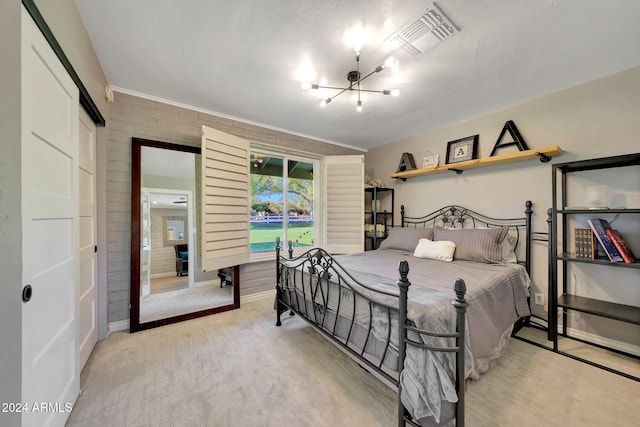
(544, 154)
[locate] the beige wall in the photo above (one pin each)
(132, 116)
(596, 119)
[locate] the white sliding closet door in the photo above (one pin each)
(50, 349)
(88, 292)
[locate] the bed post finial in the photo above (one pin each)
(403, 268)
(460, 288)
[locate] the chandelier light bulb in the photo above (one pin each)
(359, 106)
(325, 102)
(389, 62)
(305, 85)
(395, 92)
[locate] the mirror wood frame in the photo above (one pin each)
(134, 309)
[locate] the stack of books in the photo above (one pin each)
(611, 241)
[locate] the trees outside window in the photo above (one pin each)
(282, 201)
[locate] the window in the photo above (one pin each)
(251, 194)
(283, 201)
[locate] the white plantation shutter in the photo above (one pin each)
(225, 200)
(344, 203)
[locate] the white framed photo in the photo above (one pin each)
(430, 161)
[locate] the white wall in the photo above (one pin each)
(596, 119)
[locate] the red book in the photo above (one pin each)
(622, 246)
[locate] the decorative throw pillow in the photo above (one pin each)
(442, 250)
(508, 247)
(472, 244)
(405, 239)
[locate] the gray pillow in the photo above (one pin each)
(405, 239)
(473, 244)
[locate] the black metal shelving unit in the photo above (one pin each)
(377, 216)
(559, 216)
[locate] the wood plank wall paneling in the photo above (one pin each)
(132, 116)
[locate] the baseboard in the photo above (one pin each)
(606, 342)
(121, 325)
(258, 296)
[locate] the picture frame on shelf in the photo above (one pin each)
(430, 161)
(462, 149)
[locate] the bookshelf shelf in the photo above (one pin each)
(602, 261)
(599, 211)
(621, 312)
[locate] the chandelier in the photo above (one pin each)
(355, 79)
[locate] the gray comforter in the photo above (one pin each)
(497, 297)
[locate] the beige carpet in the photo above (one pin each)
(238, 369)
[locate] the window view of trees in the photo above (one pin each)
(282, 202)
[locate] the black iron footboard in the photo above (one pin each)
(369, 322)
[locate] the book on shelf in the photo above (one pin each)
(621, 245)
(585, 243)
(600, 227)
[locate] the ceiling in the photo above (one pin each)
(246, 59)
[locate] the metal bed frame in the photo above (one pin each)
(309, 295)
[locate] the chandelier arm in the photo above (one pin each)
(344, 89)
(334, 87)
(374, 91)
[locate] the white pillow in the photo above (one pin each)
(441, 250)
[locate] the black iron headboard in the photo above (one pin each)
(454, 216)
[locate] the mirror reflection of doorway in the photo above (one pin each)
(170, 213)
(171, 284)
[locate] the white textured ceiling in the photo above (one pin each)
(246, 59)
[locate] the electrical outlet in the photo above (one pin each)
(539, 298)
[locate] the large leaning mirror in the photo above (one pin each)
(167, 282)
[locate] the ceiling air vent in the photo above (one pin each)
(430, 29)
